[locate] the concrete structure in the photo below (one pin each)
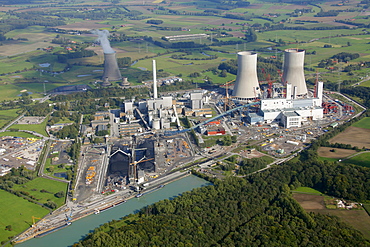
(111, 70)
(246, 84)
(196, 100)
(294, 71)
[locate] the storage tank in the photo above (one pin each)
(294, 70)
(156, 124)
(246, 84)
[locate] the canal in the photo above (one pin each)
(80, 228)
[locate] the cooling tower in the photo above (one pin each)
(111, 70)
(246, 84)
(293, 70)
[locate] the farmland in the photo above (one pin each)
(335, 153)
(362, 159)
(359, 219)
(23, 51)
(354, 136)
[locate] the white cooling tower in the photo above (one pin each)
(111, 70)
(246, 84)
(293, 70)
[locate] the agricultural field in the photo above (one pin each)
(22, 51)
(358, 219)
(17, 212)
(354, 136)
(338, 153)
(44, 189)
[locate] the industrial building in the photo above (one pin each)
(292, 106)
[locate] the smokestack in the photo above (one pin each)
(246, 84)
(111, 70)
(155, 94)
(294, 71)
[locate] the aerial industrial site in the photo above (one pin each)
(154, 141)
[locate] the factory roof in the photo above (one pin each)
(291, 114)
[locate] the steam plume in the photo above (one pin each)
(103, 40)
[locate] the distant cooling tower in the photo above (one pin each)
(293, 70)
(111, 70)
(246, 84)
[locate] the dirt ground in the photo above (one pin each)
(309, 202)
(355, 136)
(338, 154)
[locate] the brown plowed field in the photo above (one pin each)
(338, 154)
(353, 135)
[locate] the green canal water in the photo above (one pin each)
(75, 232)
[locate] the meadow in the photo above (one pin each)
(35, 186)
(17, 212)
(7, 115)
(39, 128)
(18, 134)
(363, 123)
(359, 160)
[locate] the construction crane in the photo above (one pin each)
(34, 220)
(137, 162)
(227, 97)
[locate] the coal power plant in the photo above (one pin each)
(293, 72)
(246, 84)
(111, 70)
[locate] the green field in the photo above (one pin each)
(7, 115)
(328, 159)
(17, 212)
(307, 190)
(18, 134)
(39, 128)
(363, 123)
(34, 186)
(359, 160)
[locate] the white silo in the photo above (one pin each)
(246, 84)
(294, 71)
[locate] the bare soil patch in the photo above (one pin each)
(338, 154)
(310, 202)
(83, 25)
(353, 135)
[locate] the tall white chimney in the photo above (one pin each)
(155, 94)
(294, 70)
(246, 84)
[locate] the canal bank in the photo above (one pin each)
(78, 229)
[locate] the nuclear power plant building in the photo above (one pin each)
(291, 108)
